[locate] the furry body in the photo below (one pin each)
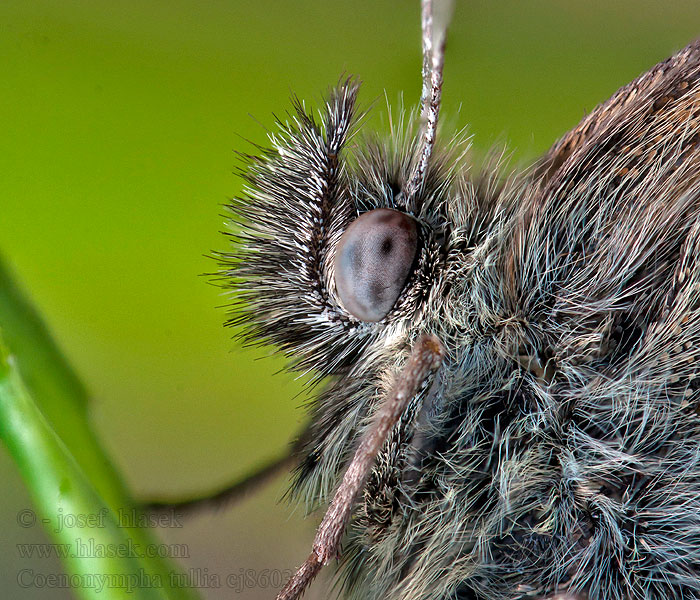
(558, 449)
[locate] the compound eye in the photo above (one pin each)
(373, 260)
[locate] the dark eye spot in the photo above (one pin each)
(373, 261)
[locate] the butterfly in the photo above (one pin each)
(510, 407)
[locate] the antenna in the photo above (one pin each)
(435, 18)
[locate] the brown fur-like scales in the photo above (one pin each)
(558, 450)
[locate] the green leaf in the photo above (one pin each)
(59, 487)
(54, 387)
(43, 423)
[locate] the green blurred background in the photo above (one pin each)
(119, 122)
